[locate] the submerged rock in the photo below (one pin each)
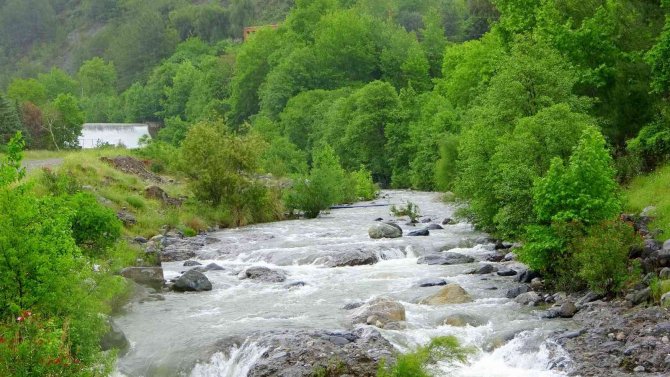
(449, 294)
(384, 230)
(421, 232)
(431, 282)
(301, 353)
(379, 312)
(434, 227)
(191, 263)
(462, 320)
(115, 339)
(263, 274)
(192, 281)
(351, 258)
(446, 258)
(484, 269)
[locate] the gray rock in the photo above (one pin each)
(536, 284)
(449, 294)
(192, 263)
(588, 297)
(421, 232)
(665, 300)
(447, 258)
(666, 245)
(567, 310)
(299, 353)
(126, 218)
(192, 281)
(151, 276)
(115, 339)
(177, 248)
(140, 240)
(384, 230)
(434, 227)
(528, 298)
(638, 297)
(514, 292)
(353, 305)
(638, 369)
(431, 282)
(505, 271)
(484, 269)
(664, 274)
(295, 284)
(210, 267)
(351, 258)
(448, 221)
(526, 276)
(509, 257)
(379, 312)
(461, 320)
(264, 274)
(426, 220)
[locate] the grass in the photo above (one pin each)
(121, 191)
(651, 190)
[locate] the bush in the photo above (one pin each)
(652, 144)
(441, 349)
(602, 256)
(95, 228)
(189, 232)
(325, 185)
(410, 210)
(363, 186)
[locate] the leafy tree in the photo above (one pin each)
(24, 22)
(27, 90)
(584, 190)
(63, 120)
(58, 82)
(97, 77)
(9, 119)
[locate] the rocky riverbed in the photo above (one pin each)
(340, 293)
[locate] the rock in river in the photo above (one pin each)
(351, 258)
(299, 353)
(379, 312)
(421, 232)
(449, 294)
(462, 320)
(384, 230)
(151, 276)
(192, 281)
(446, 258)
(430, 282)
(263, 274)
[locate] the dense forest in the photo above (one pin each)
(532, 112)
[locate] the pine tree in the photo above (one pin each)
(9, 120)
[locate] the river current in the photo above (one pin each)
(184, 335)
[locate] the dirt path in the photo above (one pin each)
(38, 164)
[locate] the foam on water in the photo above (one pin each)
(236, 363)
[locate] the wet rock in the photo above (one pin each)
(295, 284)
(426, 220)
(431, 282)
(192, 263)
(378, 219)
(514, 292)
(665, 300)
(588, 297)
(209, 267)
(528, 298)
(449, 294)
(567, 310)
(499, 340)
(421, 232)
(140, 240)
(353, 305)
(379, 312)
(176, 248)
(509, 257)
(462, 320)
(351, 258)
(505, 271)
(446, 258)
(151, 276)
(536, 284)
(434, 227)
(115, 339)
(263, 274)
(384, 230)
(448, 221)
(192, 281)
(638, 297)
(484, 269)
(527, 276)
(299, 353)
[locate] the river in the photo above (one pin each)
(182, 335)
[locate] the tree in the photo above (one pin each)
(97, 77)
(27, 90)
(58, 82)
(63, 120)
(9, 119)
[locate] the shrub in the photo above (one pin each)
(441, 349)
(189, 232)
(363, 186)
(94, 227)
(652, 144)
(136, 202)
(602, 256)
(410, 210)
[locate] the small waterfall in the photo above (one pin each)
(237, 363)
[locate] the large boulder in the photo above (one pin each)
(192, 281)
(528, 298)
(449, 294)
(351, 258)
(115, 339)
(384, 230)
(446, 258)
(263, 274)
(420, 232)
(301, 353)
(379, 312)
(151, 276)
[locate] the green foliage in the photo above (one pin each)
(9, 119)
(323, 187)
(650, 190)
(441, 349)
(652, 144)
(11, 169)
(410, 210)
(364, 187)
(63, 121)
(94, 228)
(602, 256)
(584, 190)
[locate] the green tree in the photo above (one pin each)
(58, 82)
(9, 119)
(97, 77)
(63, 120)
(27, 90)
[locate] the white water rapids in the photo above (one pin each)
(205, 334)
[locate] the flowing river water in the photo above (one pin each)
(182, 335)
